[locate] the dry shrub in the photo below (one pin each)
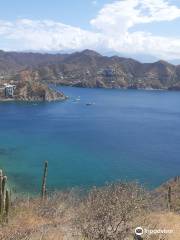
(109, 212)
(58, 204)
(34, 216)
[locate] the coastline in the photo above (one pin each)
(34, 92)
(116, 88)
(15, 100)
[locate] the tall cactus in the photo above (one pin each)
(4, 199)
(177, 179)
(169, 199)
(6, 207)
(4, 191)
(43, 189)
(1, 195)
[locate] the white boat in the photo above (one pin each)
(90, 104)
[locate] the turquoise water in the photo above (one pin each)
(126, 134)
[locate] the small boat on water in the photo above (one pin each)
(90, 104)
(75, 100)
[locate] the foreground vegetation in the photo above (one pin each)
(111, 212)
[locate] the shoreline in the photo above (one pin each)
(120, 88)
(32, 101)
(14, 100)
(114, 88)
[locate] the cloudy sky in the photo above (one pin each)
(145, 29)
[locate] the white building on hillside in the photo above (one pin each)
(9, 90)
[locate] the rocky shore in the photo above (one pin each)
(37, 92)
(30, 91)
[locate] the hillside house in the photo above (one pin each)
(9, 90)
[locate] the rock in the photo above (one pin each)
(36, 92)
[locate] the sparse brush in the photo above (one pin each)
(104, 213)
(108, 213)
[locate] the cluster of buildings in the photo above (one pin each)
(7, 90)
(103, 72)
(107, 72)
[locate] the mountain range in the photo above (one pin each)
(89, 69)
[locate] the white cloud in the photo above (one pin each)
(122, 15)
(47, 35)
(112, 31)
(115, 21)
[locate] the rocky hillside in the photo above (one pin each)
(89, 69)
(31, 91)
(36, 92)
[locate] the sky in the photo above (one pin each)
(144, 29)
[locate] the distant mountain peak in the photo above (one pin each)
(92, 53)
(163, 62)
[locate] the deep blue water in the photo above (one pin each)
(126, 134)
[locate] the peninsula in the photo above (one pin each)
(29, 91)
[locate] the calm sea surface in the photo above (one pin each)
(125, 134)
